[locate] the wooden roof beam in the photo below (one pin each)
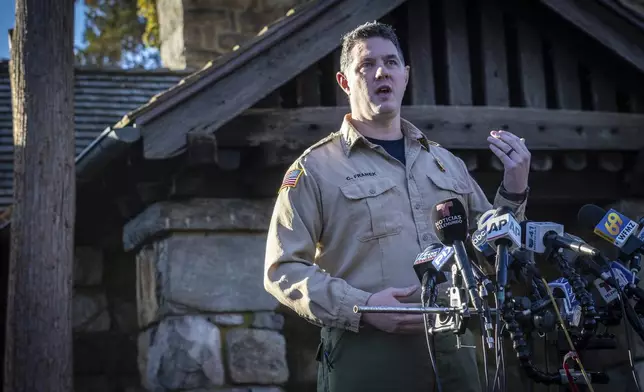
(605, 26)
(455, 127)
(215, 105)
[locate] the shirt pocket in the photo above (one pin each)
(372, 208)
(444, 186)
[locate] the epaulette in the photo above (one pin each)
(293, 175)
(320, 143)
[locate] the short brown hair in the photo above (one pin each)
(363, 32)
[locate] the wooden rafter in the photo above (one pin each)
(605, 26)
(454, 127)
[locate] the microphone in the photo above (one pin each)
(483, 218)
(541, 237)
(428, 266)
(479, 237)
(482, 251)
(606, 286)
(571, 309)
(612, 227)
(504, 233)
(450, 221)
(504, 228)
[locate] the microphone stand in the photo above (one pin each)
(465, 268)
(487, 339)
(485, 287)
(429, 294)
(502, 261)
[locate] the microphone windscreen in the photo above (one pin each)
(590, 215)
(450, 221)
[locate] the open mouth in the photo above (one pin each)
(383, 90)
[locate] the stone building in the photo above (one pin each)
(174, 197)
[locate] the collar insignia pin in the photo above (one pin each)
(439, 164)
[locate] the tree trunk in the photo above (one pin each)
(38, 352)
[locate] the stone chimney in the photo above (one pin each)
(194, 32)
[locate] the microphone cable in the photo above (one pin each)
(487, 380)
(484, 350)
(499, 375)
(567, 335)
(429, 340)
(628, 337)
(486, 310)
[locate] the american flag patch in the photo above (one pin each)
(291, 178)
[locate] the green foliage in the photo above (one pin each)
(121, 33)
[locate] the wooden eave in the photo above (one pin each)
(223, 65)
(222, 90)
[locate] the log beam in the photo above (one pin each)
(451, 126)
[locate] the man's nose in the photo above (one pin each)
(381, 72)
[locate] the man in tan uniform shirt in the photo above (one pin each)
(351, 216)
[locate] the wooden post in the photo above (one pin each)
(38, 353)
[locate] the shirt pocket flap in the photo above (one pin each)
(449, 183)
(367, 188)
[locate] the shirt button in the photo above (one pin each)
(372, 191)
(417, 206)
(425, 237)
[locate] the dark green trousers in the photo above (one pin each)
(372, 360)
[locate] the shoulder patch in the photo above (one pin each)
(291, 178)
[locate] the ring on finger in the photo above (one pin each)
(510, 151)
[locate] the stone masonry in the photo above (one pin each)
(206, 321)
(194, 32)
(104, 321)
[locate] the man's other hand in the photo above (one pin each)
(394, 322)
(514, 154)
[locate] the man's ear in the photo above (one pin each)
(342, 82)
(406, 74)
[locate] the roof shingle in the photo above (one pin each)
(102, 98)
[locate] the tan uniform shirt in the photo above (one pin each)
(350, 219)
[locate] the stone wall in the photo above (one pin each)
(104, 322)
(185, 309)
(206, 322)
(193, 32)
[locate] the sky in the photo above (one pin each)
(7, 18)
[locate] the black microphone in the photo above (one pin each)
(450, 221)
(540, 237)
(428, 266)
